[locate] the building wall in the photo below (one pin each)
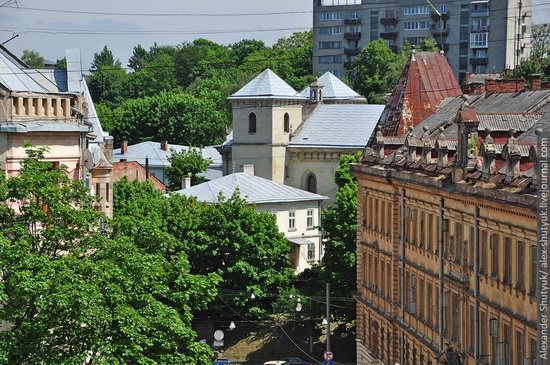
(406, 311)
(299, 254)
(386, 20)
(134, 171)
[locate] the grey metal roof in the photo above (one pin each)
(338, 125)
(334, 89)
(254, 189)
(529, 137)
(158, 157)
(266, 85)
(445, 113)
(521, 102)
(506, 121)
(299, 241)
(42, 126)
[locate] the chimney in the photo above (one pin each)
(248, 169)
(512, 155)
(107, 148)
(124, 148)
(185, 183)
(442, 149)
(411, 146)
(164, 145)
(379, 144)
(467, 122)
(488, 152)
(504, 85)
(536, 82)
(426, 147)
(316, 93)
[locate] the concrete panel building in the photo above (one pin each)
(477, 36)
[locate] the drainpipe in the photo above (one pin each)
(441, 267)
(146, 168)
(476, 283)
(402, 274)
(320, 232)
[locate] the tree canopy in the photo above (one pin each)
(74, 293)
(184, 164)
(32, 58)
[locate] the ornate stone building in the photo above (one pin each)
(446, 250)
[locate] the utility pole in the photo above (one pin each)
(517, 50)
(328, 317)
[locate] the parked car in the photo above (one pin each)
(276, 362)
(297, 361)
(221, 361)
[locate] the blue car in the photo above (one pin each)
(221, 362)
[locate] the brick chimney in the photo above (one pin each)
(536, 82)
(164, 145)
(124, 148)
(504, 85)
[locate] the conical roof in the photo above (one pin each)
(266, 85)
(333, 88)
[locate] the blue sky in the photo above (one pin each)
(40, 30)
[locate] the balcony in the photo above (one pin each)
(436, 17)
(480, 13)
(389, 20)
(480, 29)
(352, 51)
(479, 61)
(440, 32)
(352, 21)
(348, 64)
(389, 35)
(352, 36)
(479, 44)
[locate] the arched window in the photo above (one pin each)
(311, 183)
(251, 123)
(287, 123)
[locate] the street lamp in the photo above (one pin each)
(325, 322)
(232, 326)
(299, 305)
(252, 296)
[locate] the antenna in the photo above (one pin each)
(440, 22)
(15, 35)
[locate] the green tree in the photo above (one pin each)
(540, 47)
(429, 45)
(61, 64)
(339, 223)
(74, 295)
(244, 48)
(32, 58)
(178, 117)
(108, 85)
(140, 57)
(105, 60)
(183, 164)
(375, 71)
(198, 58)
(153, 77)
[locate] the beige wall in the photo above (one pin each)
(281, 210)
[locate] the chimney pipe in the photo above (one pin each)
(124, 148)
(248, 169)
(185, 183)
(164, 145)
(536, 82)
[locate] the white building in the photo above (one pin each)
(298, 212)
(294, 138)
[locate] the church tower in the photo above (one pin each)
(265, 113)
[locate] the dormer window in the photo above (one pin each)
(252, 123)
(287, 123)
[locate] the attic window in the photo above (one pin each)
(252, 123)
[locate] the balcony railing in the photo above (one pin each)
(389, 35)
(479, 13)
(440, 32)
(352, 21)
(389, 20)
(479, 61)
(436, 17)
(480, 29)
(352, 51)
(352, 36)
(479, 44)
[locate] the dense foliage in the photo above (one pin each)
(72, 293)
(136, 103)
(230, 239)
(185, 164)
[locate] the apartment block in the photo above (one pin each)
(477, 36)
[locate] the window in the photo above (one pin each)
(330, 45)
(416, 10)
(520, 282)
(507, 261)
(455, 315)
(413, 41)
(354, 29)
(532, 353)
(471, 247)
(480, 69)
(480, 53)
(483, 326)
(520, 348)
(98, 189)
(107, 192)
(429, 307)
(506, 350)
(483, 253)
(412, 304)
(472, 329)
(330, 59)
(383, 276)
(421, 299)
(330, 30)
(416, 25)
(479, 40)
(310, 218)
(252, 123)
(459, 241)
(330, 16)
(286, 123)
(494, 256)
(354, 15)
(422, 230)
(442, 9)
(430, 232)
(311, 183)
(388, 217)
(480, 24)
(310, 251)
(292, 220)
(533, 270)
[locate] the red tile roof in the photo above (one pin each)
(426, 80)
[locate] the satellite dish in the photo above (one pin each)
(88, 159)
(218, 335)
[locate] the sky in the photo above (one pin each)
(52, 32)
(40, 30)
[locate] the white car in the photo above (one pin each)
(276, 362)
